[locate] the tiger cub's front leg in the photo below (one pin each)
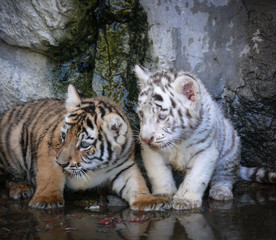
(159, 172)
(50, 181)
(190, 192)
(130, 185)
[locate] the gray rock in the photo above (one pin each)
(32, 35)
(114, 201)
(34, 24)
(23, 76)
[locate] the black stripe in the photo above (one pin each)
(83, 103)
(44, 112)
(254, 175)
(188, 114)
(52, 134)
(162, 109)
(157, 97)
(171, 112)
(122, 117)
(90, 108)
(204, 138)
(35, 107)
(24, 140)
(158, 105)
(232, 145)
(89, 123)
(102, 111)
(265, 178)
(7, 153)
(122, 189)
(106, 105)
(4, 160)
(126, 156)
(102, 145)
(181, 117)
(22, 111)
(119, 173)
(125, 145)
(173, 103)
(95, 143)
(33, 151)
(202, 150)
(109, 150)
(119, 165)
(71, 115)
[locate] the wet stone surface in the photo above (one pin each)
(251, 215)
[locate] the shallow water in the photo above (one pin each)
(251, 215)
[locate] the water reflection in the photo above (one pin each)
(249, 215)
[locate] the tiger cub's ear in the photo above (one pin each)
(188, 87)
(73, 98)
(116, 129)
(143, 75)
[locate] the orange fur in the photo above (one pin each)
(41, 147)
(147, 200)
(20, 189)
(50, 180)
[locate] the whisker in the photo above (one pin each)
(84, 175)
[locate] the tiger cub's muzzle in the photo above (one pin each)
(68, 156)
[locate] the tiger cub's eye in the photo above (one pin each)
(85, 145)
(162, 116)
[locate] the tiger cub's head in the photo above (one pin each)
(168, 106)
(95, 134)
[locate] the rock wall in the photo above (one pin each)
(33, 36)
(23, 76)
(229, 44)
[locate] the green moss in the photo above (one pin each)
(101, 49)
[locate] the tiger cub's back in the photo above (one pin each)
(21, 129)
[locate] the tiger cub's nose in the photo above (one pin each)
(148, 140)
(63, 165)
(63, 162)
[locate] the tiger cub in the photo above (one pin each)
(48, 144)
(182, 126)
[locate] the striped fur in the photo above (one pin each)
(262, 175)
(181, 126)
(47, 144)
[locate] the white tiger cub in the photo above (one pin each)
(180, 125)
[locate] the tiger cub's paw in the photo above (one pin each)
(187, 201)
(150, 203)
(183, 204)
(20, 190)
(46, 202)
(222, 193)
(169, 197)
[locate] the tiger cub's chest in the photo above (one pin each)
(180, 156)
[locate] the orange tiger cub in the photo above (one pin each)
(47, 144)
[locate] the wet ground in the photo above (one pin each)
(251, 215)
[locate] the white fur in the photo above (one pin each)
(93, 178)
(143, 75)
(159, 172)
(175, 141)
